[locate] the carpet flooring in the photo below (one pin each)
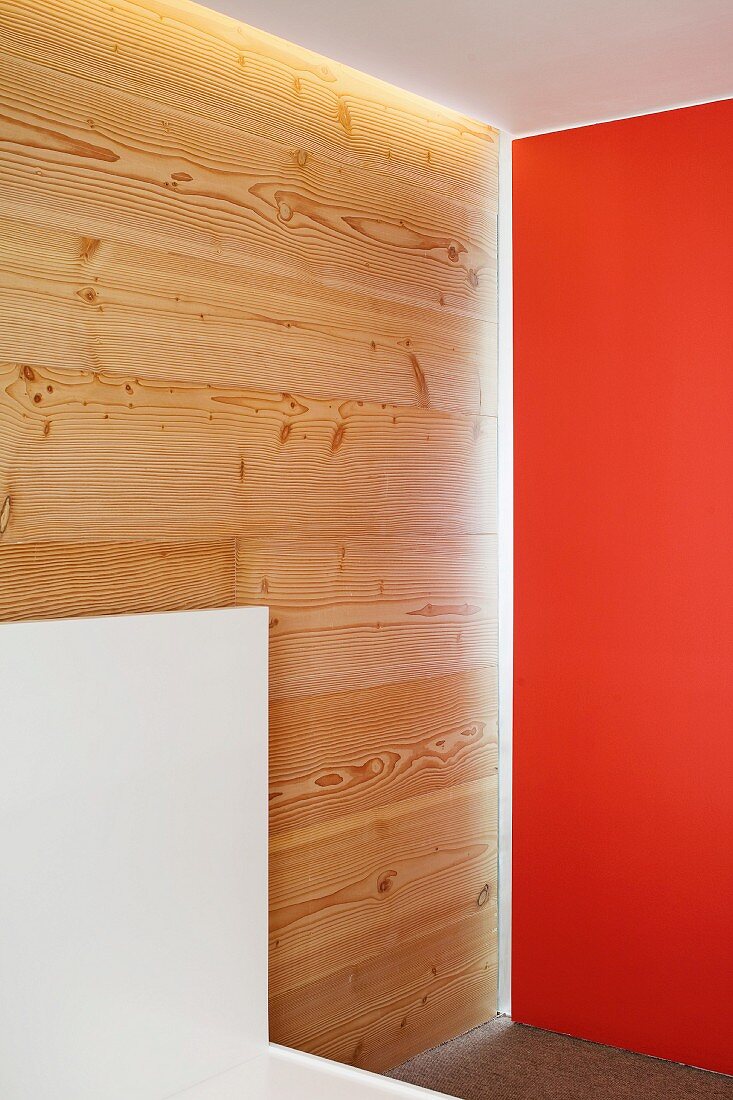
(506, 1061)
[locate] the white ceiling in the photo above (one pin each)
(523, 65)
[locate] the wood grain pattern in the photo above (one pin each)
(129, 309)
(91, 456)
(191, 60)
(348, 613)
(248, 355)
(444, 973)
(261, 215)
(50, 580)
(341, 891)
(334, 754)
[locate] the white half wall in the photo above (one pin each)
(133, 853)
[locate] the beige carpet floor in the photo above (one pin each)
(506, 1061)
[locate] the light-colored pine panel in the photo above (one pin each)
(306, 659)
(350, 613)
(225, 208)
(189, 144)
(447, 980)
(186, 58)
(349, 889)
(64, 580)
(433, 578)
(354, 751)
(90, 457)
(128, 309)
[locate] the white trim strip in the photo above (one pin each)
(381, 1085)
(506, 568)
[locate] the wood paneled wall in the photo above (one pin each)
(247, 355)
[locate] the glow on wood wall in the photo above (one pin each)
(247, 332)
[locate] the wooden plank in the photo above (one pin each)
(89, 457)
(350, 613)
(350, 889)
(189, 59)
(60, 580)
(252, 207)
(340, 573)
(346, 752)
(82, 302)
(196, 147)
(307, 659)
(447, 985)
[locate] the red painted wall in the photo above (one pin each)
(623, 798)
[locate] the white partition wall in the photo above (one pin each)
(133, 866)
(133, 874)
